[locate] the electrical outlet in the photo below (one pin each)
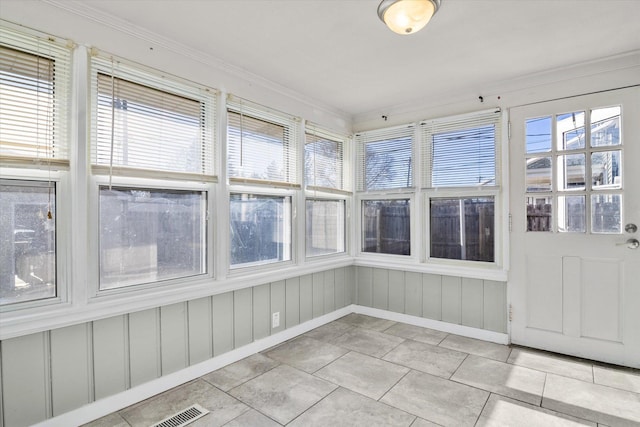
(275, 319)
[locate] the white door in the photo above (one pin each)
(575, 187)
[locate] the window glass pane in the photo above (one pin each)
(257, 148)
(462, 228)
(605, 126)
(539, 174)
(28, 236)
(260, 229)
(571, 172)
(386, 226)
(570, 130)
(538, 135)
(571, 214)
(325, 227)
(323, 162)
(539, 213)
(388, 164)
(152, 129)
(148, 235)
(465, 157)
(605, 169)
(605, 213)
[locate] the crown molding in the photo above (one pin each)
(84, 10)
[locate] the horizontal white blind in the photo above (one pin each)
(385, 158)
(34, 100)
(324, 158)
(145, 124)
(261, 144)
(462, 151)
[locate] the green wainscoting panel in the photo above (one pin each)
(71, 374)
(380, 288)
(242, 317)
(110, 358)
(144, 346)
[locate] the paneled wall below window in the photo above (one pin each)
(49, 373)
(475, 303)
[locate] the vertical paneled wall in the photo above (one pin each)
(52, 372)
(470, 302)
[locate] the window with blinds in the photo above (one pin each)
(148, 125)
(385, 158)
(323, 159)
(461, 151)
(34, 100)
(261, 145)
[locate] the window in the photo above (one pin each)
(263, 176)
(462, 228)
(34, 100)
(385, 159)
(262, 145)
(28, 233)
(153, 136)
(325, 227)
(326, 180)
(561, 193)
(323, 159)
(386, 226)
(150, 235)
(460, 177)
(260, 229)
(146, 125)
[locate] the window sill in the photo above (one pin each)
(58, 315)
(484, 272)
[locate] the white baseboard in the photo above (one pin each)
(451, 328)
(144, 391)
(114, 403)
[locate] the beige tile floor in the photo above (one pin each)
(364, 371)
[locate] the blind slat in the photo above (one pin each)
(34, 100)
(261, 144)
(324, 159)
(461, 151)
(385, 158)
(146, 121)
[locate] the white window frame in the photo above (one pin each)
(149, 179)
(247, 268)
(413, 257)
(43, 170)
(497, 191)
(341, 193)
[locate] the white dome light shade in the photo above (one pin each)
(407, 16)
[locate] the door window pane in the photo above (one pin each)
(148, 235)
(386, 226)
(571, 172)
(539, 174)
(463, 228)
(605, 213)
(605, 169)
(325, 227)
(571, 214)
(28, 236)
(538, 135)
(605, 126)
(570, 130)
(539, 215)
(260, 229)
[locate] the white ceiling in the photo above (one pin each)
(339, 53)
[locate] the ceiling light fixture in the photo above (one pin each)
(407, 16)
